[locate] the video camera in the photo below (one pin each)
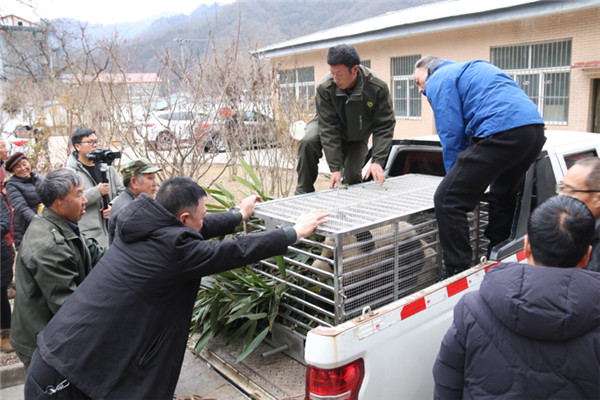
(103, 156)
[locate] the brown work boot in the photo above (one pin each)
(6, 346)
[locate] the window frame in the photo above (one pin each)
(558, 64)
(404, 75)
(302, 89)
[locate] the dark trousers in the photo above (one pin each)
(310, 152)
(500, 162)
(7, 258)
(42, 379)
(5, 308)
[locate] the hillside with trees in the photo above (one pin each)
(253, 24)
(77, 74)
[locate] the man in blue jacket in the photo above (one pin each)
(532, 330)
(490, 132)
(123, 334)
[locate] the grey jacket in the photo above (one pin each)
(92, 224)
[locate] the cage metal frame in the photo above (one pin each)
(312, 301)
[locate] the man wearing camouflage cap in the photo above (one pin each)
(139, 176)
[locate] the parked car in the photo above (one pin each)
(15, 140)
(162, 128)
(253, 130)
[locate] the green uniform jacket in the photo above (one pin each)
(52, 261)
(353, 117)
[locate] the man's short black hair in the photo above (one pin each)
(343, 54)
(80, 133)
(179, 194)
(57, 185)
(560, 231)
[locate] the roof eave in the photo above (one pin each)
(492, 16)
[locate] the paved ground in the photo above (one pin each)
(197, 378)
(12, 393)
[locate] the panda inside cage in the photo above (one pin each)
(379, 245)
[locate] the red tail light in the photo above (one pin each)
(341, 383)
(201, 128)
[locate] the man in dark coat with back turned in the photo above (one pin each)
(123, 333)
(531, 331)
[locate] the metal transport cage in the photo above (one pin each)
(380, 244)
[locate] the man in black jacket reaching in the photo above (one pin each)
(123, 333)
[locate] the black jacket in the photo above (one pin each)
(122, 334)
(118, 205)
(594, 262)
(530, 332)
(25, 202)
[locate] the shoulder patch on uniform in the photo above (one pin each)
(58, 238)
(370, 104)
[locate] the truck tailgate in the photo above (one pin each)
(415, 325)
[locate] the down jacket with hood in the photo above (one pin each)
(530, 332)
(123, 333)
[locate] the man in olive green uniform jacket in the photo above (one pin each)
(352, 103)
(53, 260)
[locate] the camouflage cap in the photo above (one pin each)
(138, 166)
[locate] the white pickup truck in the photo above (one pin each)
(389, 352)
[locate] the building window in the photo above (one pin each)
(407, 100)
(297, 83)
(366, 63)
(543, 71)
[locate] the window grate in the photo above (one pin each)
(542, 70)
(298, 83)
(406, 96)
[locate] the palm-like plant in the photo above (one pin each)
(238, 302)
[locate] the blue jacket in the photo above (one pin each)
(475, 98)
(530, 332)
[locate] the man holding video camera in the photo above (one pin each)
(101, 182)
